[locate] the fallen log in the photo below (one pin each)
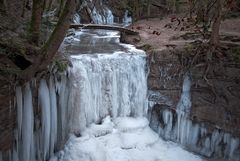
(105, 27)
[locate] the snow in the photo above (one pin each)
(137, 142)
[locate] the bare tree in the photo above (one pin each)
(210, 13)
(20, 44)
(49, 49)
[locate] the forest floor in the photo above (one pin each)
(158, 33)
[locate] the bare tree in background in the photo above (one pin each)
(210, 13)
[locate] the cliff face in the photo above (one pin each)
(218, 104)
(215, 101)
(212, 126)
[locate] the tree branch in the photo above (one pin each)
(50, 48)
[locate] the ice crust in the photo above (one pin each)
(137, 142)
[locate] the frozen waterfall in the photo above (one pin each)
(107, 84)
(96, 86)
(103, 16)
(127, 20)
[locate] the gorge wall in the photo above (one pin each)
(211, 127)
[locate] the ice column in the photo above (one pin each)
(26, 144)
(183, 111)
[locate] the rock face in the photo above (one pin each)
(214, 109)
(218, 105)
(221, 101)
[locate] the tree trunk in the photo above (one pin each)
(149, 3)
(60, 8)
(23, 9)
(50, 5)
(50, 48)
(37, 10)
(214, 40)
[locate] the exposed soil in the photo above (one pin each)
(161, 33)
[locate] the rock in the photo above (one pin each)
(218, 106)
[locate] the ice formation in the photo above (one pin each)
(76, 18)
(192, 135)
(96, 86)
(103, 16)
(127, 139)
(106, 84)
(127, 20)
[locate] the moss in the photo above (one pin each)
(61, 66)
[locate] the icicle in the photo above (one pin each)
(183, 109)
(167, 118)
(53, 103)
(234, 144)
(19, 110)
(27, 125)
(63, 103)
(14, 155)
(44, 102)
(194, 135)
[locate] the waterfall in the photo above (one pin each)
(76, 19)
(127, 20)
(102, 16)
(107, 84)
(96, 86)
